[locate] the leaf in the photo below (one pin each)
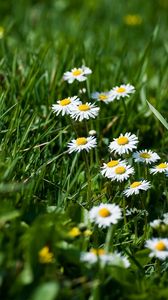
(47, 291)
(8, 216)
(158, 115)
(26, 276)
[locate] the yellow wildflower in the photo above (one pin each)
(74, 232)
(45, 256)
(133, 20)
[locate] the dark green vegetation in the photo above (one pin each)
(44, 191)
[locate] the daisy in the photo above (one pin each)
(123, 90)
(146, 156)
(155, 223)
(94, 255)
(136, 187)
(124, 143)
(92, 132)
(77, 73)
(158, 247)
(121, 173)
(64, 106)
(117, 259)
(161, 168)
(99, 255)
(108, 168)
(165, 218)
(84, 111)
(82, 143)
(134, 211)
(105, 215)
(105, 97)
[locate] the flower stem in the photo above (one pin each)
(109, 238)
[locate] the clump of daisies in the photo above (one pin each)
(79, 74)
(108, 168)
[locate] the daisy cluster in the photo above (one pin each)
(104, 215)
(120, 168)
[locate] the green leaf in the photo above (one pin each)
(8, 216)
(26, 276)
(158, 115)
(47, 291)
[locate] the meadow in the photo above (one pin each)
(83, 154)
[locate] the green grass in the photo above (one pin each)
(45, 191)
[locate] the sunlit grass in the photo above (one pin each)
(55, 241)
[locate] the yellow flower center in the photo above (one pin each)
(145, 155)
(104, 212)
(161, 166)
(97, 251)
(123, 140)
(81, 141)
(77, 72)
(135, 184)
(120, 170)
(160, 246)
(74, 232)
(84, 107)
(112, 163)
(102, 97)
(121, 90)
(45, 256)
(65, 102)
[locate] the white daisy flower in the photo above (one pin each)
(161, 168)
(158, 247)
(77, 73)
(155, 223)
(121, 173)
(134, 211)
(124, 143)
(136, 187)
(117, 259)
(82, 143)
(99, 255)
(146, 156)
(64, 106)
(123, 91)
(94, 255)
(105, 215)
(92, 132)
(165, 218)
(108, 168)
(105, 97)
(84, 111)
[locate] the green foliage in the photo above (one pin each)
(45, 192)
